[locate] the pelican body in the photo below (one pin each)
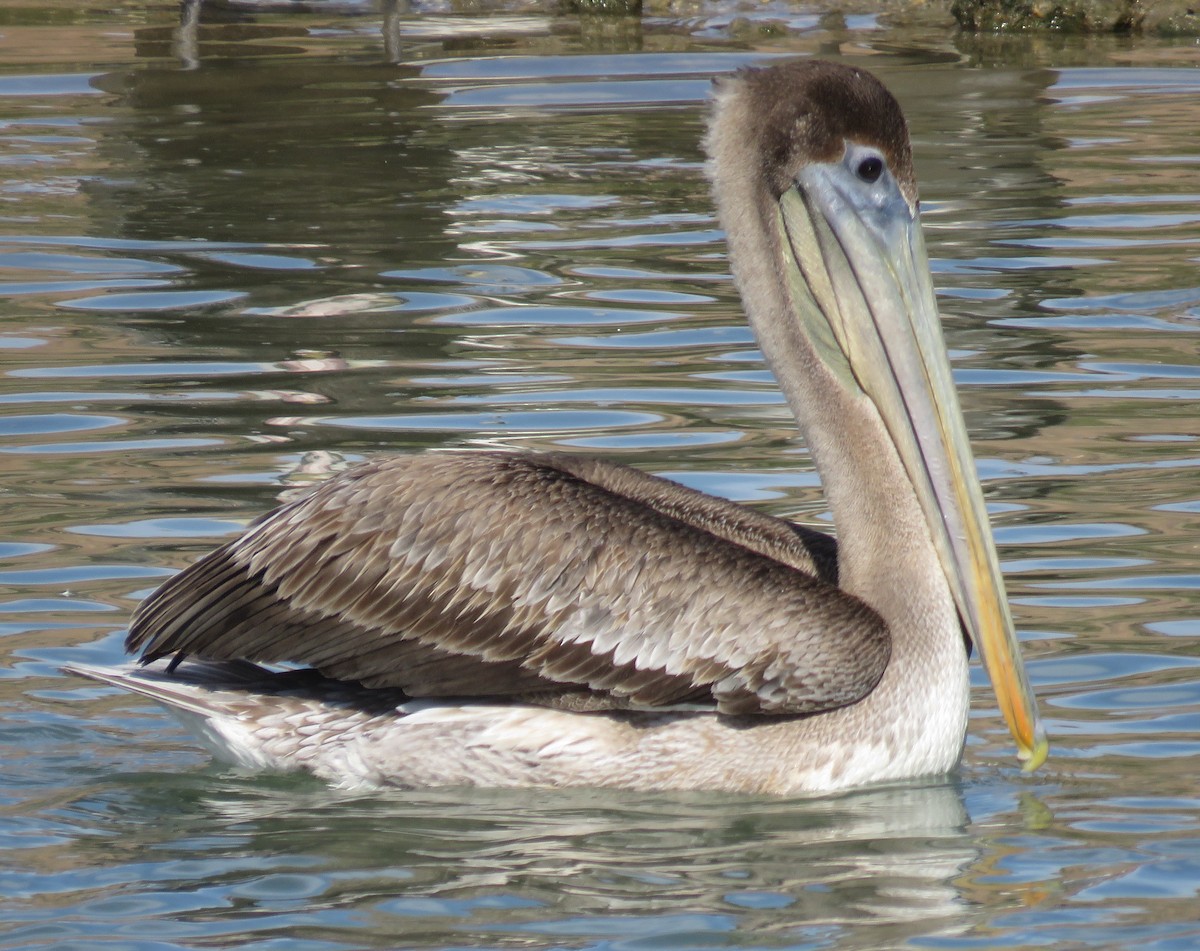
(509, 619)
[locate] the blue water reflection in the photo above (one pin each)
(244, 250)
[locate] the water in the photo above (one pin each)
(239, 255)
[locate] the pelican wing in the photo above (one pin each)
(492, 574)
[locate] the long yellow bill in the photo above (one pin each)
(864, 292)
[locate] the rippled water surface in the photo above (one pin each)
(241, 250)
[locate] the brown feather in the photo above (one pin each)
(514, 575)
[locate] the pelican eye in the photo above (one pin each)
(869, 169)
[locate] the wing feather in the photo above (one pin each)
(509, 574)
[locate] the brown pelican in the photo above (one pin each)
(508, 619)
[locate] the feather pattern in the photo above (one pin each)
(544, 578)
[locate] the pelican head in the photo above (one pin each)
(825, 237)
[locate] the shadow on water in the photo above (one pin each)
(538, 867)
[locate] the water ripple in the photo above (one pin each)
(331, 235)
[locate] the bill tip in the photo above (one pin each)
(1034, 755)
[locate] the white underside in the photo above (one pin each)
(427, 743)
